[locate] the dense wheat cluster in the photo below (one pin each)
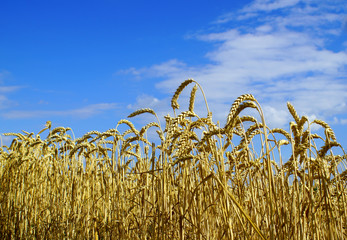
(197, 181)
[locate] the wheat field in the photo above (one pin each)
(198, 180)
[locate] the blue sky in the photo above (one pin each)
(88, 64)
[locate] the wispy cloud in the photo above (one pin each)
(5, 90)
(170, 67)
(3, 75)
(84, 112)
(277, 50)
(3, 101)
(269, 5)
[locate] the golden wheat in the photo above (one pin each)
(224, 183)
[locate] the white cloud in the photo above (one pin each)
(4, 90)
(170, 67)
(276, 57)
(3, 75)
(255, 8)
(84, 112)
(269, 5)
(7, 89)
(337, 120)
(5, 103)
(275, 117)
(144, 101)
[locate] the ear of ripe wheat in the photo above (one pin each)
(141, 111)
(174, 103)
(192, 98)
(293, 112)
(235, 106)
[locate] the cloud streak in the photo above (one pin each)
(84, 112)
(4, 90)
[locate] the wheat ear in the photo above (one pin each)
(146, 110)
(192, 98)
(132, 127)
(140, 111)
(293, 112)
(174, 103)
(234, 108)
(329, 133)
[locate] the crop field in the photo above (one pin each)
(198, 180)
